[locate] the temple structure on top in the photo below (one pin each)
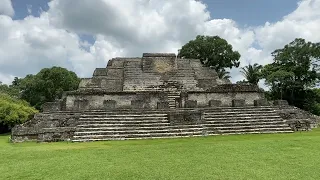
(157, 81)
(155, 96)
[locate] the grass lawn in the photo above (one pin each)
(279, 156)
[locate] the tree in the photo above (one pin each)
(14, 111)
(47, 85)
(293, 72)
(223, 74)
(252, 73)
(12, 91)
(212, 51)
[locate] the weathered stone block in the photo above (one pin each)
(81, 104)
(280, 103)
(162, 105)
(191, 104)
(137, 104)
(100, 72)
(51, 106)
(215, 103)
(238, 102)
(261, 102)
(46, 127)
(184, 117)
(56, 134)
(159, 55)
(109, 104)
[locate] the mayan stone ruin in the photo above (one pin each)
(155, 96)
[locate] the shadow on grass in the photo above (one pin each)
(6, 134)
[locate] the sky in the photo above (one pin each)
(84, 34)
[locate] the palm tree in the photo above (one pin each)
(252, 73)
(223, 74)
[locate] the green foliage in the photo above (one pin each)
(252, 73)
(213, 51)
(223, 74)
(47, 85)
(293, 72)
(14, 111)
(313, 101)
(10, 90)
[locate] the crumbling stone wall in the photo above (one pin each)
(96, 100)
(203, 98)
(298, 119)
(46, 127)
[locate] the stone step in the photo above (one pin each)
(249, 132)
(251, 126)
(237, 111)
(226, 116)
(142, 77)
(245, 111)
(98, 128)
(271, 114)
(125, 111)
(254, 121)
(107, 117)
(226, 121)
(253, 130)
(121, 121)
(124, 115)
(100, 124)
(214, 110)
(109, 121)
(221, 109)
(133, 131)
(147, 135)
(135, 138)
(121, 118)
(237, 119)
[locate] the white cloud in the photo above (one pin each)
(147, 25)
(131, 27)
(29, 9)
(6, 8)
(31, 44)
(304, 22)
(5, 78)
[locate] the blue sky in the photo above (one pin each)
(21, 7)
(251, 12)
(82, 35)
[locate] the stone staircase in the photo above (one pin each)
(137, 80)
(137, 124)
(185, 75)
(245, 120)
(172, 96)
(121, 125)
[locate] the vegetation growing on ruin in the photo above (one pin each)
(14, 111)
(276, 156)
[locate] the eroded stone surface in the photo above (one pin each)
(238, 102)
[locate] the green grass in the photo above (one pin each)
(279, 156)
